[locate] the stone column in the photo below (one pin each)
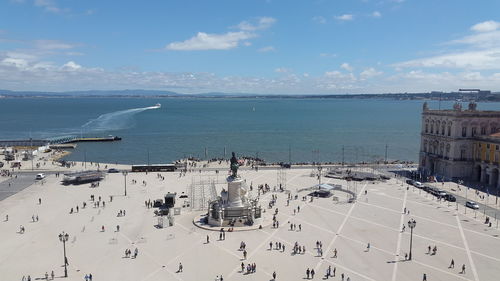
(492, 180)
(483, 175)
(234, 192)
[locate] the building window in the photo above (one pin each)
(464, 132)
(496, 157)
(488, 146)
(426, 128)
(432, 128)
(473, 131)
(442, 130)
(496, 147)
(493, 129)
(483, 130)
(462, 154)
(449, 131)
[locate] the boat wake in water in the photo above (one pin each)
(115, 120)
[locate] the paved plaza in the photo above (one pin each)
(376, 218)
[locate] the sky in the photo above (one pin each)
(254, 46)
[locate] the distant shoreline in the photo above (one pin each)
(493, 97)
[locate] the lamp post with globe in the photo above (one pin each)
(411, 224)
(63, 237)
(125, 173)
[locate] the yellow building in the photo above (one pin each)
(487, 159)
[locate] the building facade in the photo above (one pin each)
(460, 144)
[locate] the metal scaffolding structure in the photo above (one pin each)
(281, 179)
(201, 191)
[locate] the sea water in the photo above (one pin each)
(274, 129)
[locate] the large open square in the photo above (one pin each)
(95, 245)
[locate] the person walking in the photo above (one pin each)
(312, 273)
(180, 267)
(452, 264)
(335, 253)
(274, 275)
(463, 269)
(308, 272)
(424, 278)
(368, 247)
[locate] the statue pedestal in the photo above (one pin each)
(234, 192)
(233, 208)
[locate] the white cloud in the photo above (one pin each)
(261, 23)
(206, 41)
(346, 66)
(370, 73)
(479, 40)
(48, 5)
(328, 55)
(15, 62)
(267, 49)
(345, 17)
(319, 19)
(53, 45)
(376, 14)
(479, 51)
(26, 74)
(480, 59)
(282, 70)
(71, 66)
(224, 41)
(486, 26)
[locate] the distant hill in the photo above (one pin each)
(90, 93)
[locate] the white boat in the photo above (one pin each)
(157, 105)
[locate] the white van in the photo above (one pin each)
(40, 176)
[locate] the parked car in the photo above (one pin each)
(113, 170)
(450, 198)
(40, 176)
(418, 184)
(432, 190)
(441, 193)
(410, 182)
(9, 157)
(426, 188)
(472, 205)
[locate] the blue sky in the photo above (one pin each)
(258, 46)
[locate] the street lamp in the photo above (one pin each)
(125, 175)
(319, 174)
(411, 224)
(63, 237)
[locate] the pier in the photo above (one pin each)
(56, 141)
